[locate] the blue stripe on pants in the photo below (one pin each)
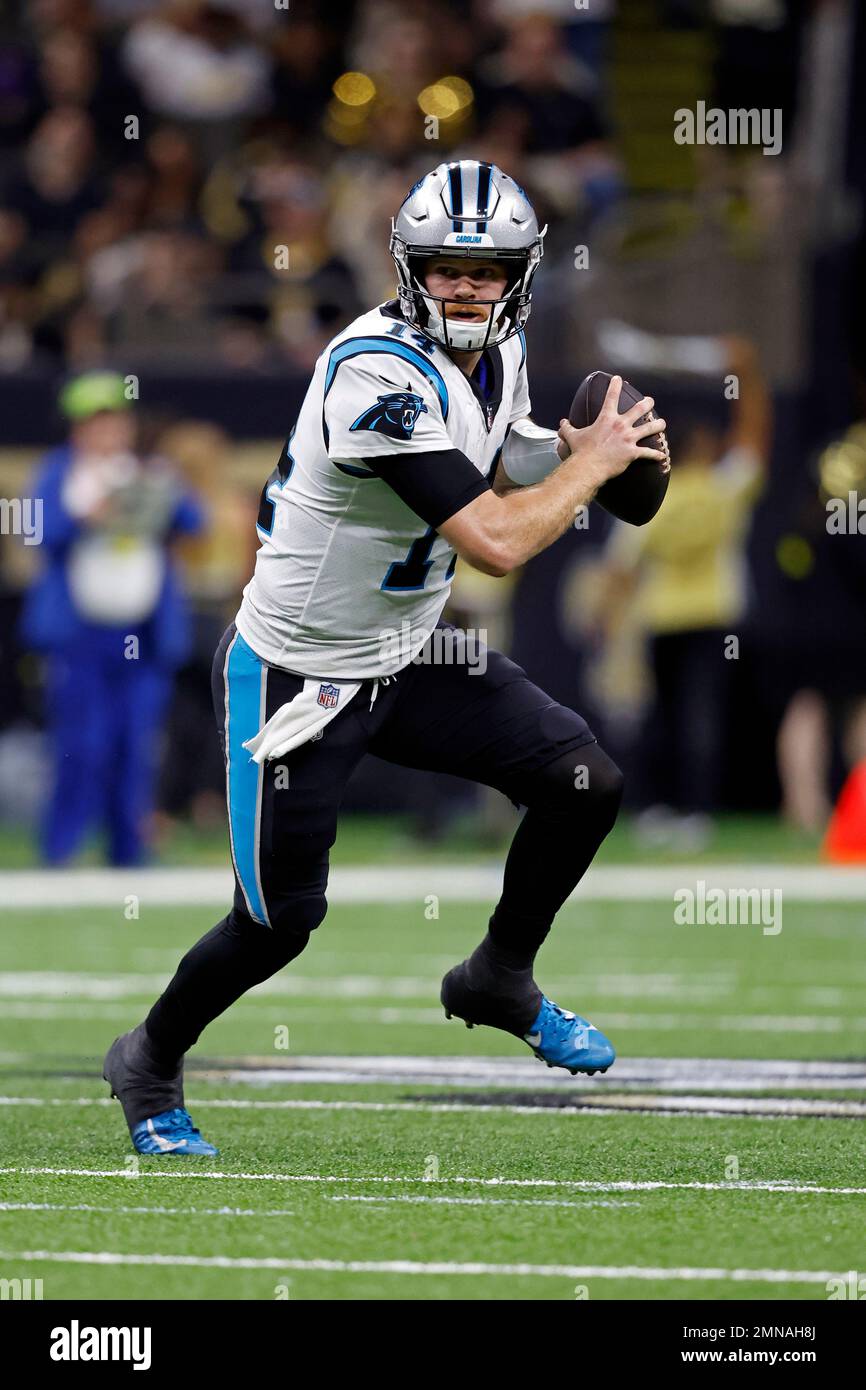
(245, 714)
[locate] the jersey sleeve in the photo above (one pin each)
(521, 406)
(379, 404)
(386, 417)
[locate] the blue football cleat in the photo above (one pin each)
(563, 1039)
(171, 1133)
(559, 1038)
(150, 1091)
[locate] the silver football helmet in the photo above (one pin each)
(465, 209)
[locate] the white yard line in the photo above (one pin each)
(213, 886)
(691, 1075)
(670, 1074)
(163, 1211)
(69, 985)
(716, 1107)
(85, 987)
(479, 1201)
(571, 1185)
(687, 1272)
(264, 1211)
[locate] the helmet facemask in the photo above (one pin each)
(427, 312)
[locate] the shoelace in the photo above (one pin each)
(561, 1021)
(181, 1120)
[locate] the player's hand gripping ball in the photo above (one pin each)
(635, 495)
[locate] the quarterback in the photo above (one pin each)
(413, 446)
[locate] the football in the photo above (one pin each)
(635, 495)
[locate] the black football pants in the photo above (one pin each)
(477, 716)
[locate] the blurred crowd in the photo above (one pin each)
(201, 191)
(213, 180)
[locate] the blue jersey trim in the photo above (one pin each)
(356, 347)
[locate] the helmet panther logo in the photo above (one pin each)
(395, 415)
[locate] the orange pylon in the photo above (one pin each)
(845, 840)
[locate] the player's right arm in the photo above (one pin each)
(498, 533)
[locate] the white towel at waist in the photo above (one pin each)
(305, 716)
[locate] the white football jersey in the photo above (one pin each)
(349, 581)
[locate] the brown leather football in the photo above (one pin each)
(635, 495)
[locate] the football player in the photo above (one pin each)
(413, 446)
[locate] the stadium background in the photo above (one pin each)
(362, 1136)
(303, 128)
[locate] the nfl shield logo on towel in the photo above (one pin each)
(328, 696)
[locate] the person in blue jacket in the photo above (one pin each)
(108, 612)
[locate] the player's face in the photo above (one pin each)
(469, 285)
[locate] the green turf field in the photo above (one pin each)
(392, 1183)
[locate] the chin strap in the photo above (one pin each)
(452, 330)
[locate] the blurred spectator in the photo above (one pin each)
(15, 278)
(218, 561)
(306, 67)
(246, 219)
(196, 61)
(400, 50)
(550, 103)
(684, 570)
(534, 75)
(162, 306)
(174, 178)
(75, 70)
(111, 618)
(256, 128)
(56, 183)
(817, 641)
(286, 258)
(216, 565)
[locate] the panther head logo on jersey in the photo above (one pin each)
(395, 415)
